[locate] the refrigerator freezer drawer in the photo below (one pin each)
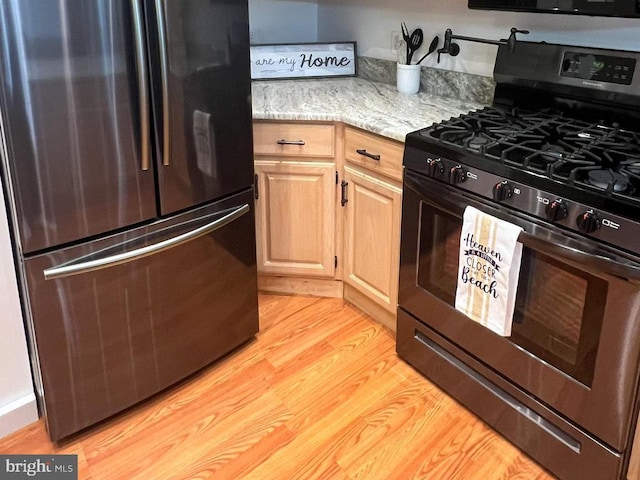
(111, 336)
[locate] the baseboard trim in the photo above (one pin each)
(317, 287)
(370, 307)
(18, 414)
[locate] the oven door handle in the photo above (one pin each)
(627, 270)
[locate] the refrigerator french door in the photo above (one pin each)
(127, 154)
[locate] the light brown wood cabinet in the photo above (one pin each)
(373, 174)
(295, 218)
(328, 213)
(296, 173)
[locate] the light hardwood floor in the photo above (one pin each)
(320, 394)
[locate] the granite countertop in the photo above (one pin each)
(376, 107)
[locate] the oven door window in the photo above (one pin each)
(559, 308)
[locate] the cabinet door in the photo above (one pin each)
(372, 234)
(295, 221)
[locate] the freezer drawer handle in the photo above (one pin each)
(70, 269)
(143, 93)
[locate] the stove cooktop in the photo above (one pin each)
(582, 176)
(603, 159)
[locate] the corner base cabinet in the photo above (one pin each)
(328, 213)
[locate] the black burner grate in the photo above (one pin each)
(603, 158)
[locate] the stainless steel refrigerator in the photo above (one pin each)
(127, 158)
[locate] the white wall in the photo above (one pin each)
(283, 21)
(370, 23)
(17, 398)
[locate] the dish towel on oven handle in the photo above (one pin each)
(488, 270)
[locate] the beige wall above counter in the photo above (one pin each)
(375, 107)
(371, 24)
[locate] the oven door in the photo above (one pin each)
(576, 329)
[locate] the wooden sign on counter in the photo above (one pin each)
(303, 60)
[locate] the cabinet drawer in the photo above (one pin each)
(373, 152)
(294, 140)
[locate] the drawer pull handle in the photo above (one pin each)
(291, 142)
(362, 151)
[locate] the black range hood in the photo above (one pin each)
(605, 8)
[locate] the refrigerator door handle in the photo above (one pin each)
(143, 92)
(164, 74)
(69, 268)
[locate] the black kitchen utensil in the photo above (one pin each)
(415, 42)
(432, 48)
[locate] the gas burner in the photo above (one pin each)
(606, 155)
(562, 136)
(533, 151)
(552, 152)
(564, 170)
(608, 180)
(472, 136)
(476, 130)
(468, 135)
(478, 140)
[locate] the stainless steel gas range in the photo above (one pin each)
(558, 154)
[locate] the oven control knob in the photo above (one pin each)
(502, 191)
(588, 221)
(457, 174)
(556, 210)
(434, 167)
